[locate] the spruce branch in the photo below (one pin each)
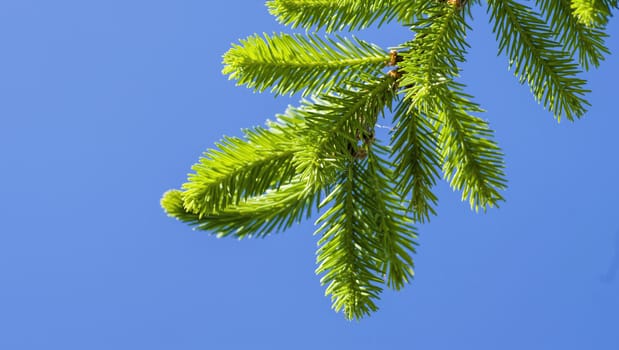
(342, 15)
(431, 59)
(593, 13)
(388, 219)
(470, 160)
(342, 119)
(366, 238)
(241, 168)
(576, 37)
(289, 64)
(348, 254)
(416, 158)
(274, 211)
(538, 59)
(276, 176)
(332, 15)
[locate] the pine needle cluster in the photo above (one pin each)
(324, 156)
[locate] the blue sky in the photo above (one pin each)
(104, 105)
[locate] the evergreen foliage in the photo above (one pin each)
(324, 156)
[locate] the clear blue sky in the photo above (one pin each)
(104, 105)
